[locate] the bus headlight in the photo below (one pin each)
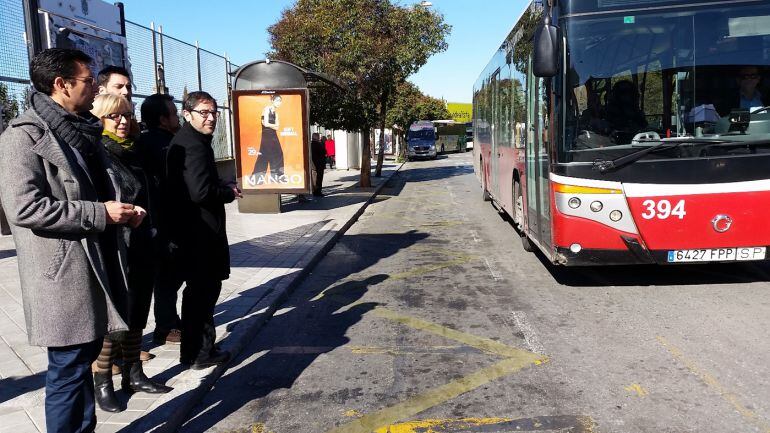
(596, 206)
(574, 202)
(616, 215)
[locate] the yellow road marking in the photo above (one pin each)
(373, 350)
(637, 389)
(712, 382)
(426, 269)
(480, 343)
(436, 396)
(429, 425)
(576, 424)
(515, 360)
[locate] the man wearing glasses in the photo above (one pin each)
(58, 190)
(197, 199)
(748, 80)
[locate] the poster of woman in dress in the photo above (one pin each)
(271, 144)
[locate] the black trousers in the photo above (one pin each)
(198, 334)
(168, 281)
(319, 179)
(69, 388)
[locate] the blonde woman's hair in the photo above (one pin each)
(107, 103)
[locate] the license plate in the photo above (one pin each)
(717, 254)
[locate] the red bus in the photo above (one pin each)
(638, 133)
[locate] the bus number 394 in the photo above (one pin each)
(663, 209)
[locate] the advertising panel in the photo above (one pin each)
(271, 141)
(460, 112)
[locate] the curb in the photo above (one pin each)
(256, 318)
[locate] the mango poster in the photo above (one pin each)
(271, 140)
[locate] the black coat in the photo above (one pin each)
(152, 146)
(197, 197)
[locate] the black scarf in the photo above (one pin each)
(74, 130)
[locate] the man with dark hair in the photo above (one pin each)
(114, 80)
(160, 116)
(58, 189)
(197, 199)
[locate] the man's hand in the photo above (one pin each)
(137, 219)
(237, 191)
(119, 213)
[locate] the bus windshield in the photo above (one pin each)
(421, 134)
(634, 79)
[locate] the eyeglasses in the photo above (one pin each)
(115, 117)
(206, 113)
(88, 80)
(749, 76)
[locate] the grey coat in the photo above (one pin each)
(56, 222)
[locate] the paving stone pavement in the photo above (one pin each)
(269, 255)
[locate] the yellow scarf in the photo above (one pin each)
(125, 143)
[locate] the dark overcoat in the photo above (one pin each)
(196, 212)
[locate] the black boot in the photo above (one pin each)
(134, 380)
(105, 393)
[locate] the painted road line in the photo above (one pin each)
(575, 424)
(481, 343)
(636, 389)
(427, 269)
(436, 396)
(713, 383)
(496, 275)
(530, 337)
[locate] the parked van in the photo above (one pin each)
(421, 140)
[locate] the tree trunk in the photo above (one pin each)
(366, 160)
(381, 153)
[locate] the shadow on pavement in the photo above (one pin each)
(308, 320)
(12, 387)
(4, 254)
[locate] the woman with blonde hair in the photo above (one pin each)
(116, 113)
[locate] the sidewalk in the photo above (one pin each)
(270, 254)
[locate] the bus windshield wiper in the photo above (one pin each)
(604, 165)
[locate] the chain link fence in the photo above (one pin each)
(14, 61)
(158, 62)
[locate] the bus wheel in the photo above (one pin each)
(518, 208)
(518, 217)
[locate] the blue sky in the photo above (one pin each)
(239, 28)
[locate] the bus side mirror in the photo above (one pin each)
(545, 59)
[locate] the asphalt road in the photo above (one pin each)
(428, 316)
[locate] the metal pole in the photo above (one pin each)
(122, 18)
(229, 83)
(154, 57)
(198, 57)
(32, 27)
(162, 68)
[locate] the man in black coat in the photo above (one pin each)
(160, 115)
(197, 198)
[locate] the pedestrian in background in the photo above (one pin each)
(159, 114)
(330, 150)
(318, 156)
(62, 200)
(135, 187)
(197, 228)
